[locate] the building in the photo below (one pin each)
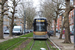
(71, 20)
(59, 22)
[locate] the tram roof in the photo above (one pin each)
(40, 18)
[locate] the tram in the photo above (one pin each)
(40, 28)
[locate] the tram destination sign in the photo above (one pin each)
(40, 20)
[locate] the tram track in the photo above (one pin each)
(16, 43)
(32, 45)
(47, 45)
(54, 44)
(45, 42)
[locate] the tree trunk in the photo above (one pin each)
(1, 21)
(11, 27)
(50, 26)
(12, 20)
(61, 30)
(1, 26)
(66, 20)
(55, 27)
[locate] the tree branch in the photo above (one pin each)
(6, 9)
(0, 3)
(71, 8)
(9, 17)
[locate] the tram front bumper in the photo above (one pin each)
(40, 37)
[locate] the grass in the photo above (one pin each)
(28, 46)
(17, 45)
(27, 35)
(6, 44)
(38, 44)
(51, 46)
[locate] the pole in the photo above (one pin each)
(24, 22)
(74, 22)
(74, 27)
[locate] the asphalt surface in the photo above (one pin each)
(5, 35)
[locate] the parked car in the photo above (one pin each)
(56, 31)
(71, 32)
(50, 33)
(31, 30)
(4, 29)
(17, 30)
(6, 32)
(27, 31)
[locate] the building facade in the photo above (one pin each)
(71, 20)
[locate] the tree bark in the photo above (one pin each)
(11, 26)
(12, 20)
(55, 27)
(66, 20)
(1, 20)
(61, 30)
(1, 26)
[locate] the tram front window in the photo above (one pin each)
(40, 27)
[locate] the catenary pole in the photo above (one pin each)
(24, 21)
(74, 27)
(74, 22)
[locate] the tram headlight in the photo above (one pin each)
(46, 32)
(33, 32)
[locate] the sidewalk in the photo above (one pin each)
(62, 45)
(7, 38)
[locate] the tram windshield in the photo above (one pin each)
(40, 27)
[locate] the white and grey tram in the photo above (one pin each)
(40, 28)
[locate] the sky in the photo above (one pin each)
(36, 4)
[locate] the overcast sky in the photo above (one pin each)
(36, 4)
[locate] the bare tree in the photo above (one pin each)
(48, 12)
(30, 16)
(2, 3)
(62, 26)
(58, 10)
(52, 9)
(29, 13)
(15, 3)
(66, 21)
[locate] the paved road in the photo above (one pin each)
(5, 35)
(63, 37)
